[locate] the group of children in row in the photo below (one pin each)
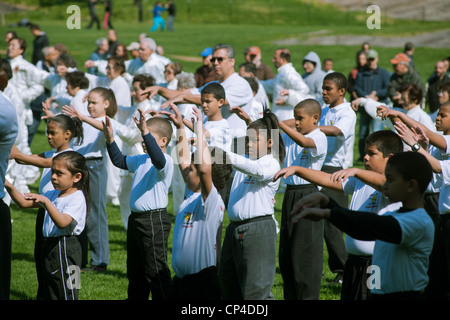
(405, 242)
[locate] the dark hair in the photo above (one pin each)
(118, 63)
(5, 73)
(249, 67)
(108, 95)
(220, 169)
(387, 141)
(445, 87)
(35, 27)
(74, 125)
(144, 80)
(415, 93)
(253, 83)
(269, 122)
(310, 106)
(215, 89)
(412, 165)
(76, 163)
(6, 66)
(125, 50)
(338, 78)
(67, 60)
(22, 43)
(285, 54)
(77, 79)
(161, 126)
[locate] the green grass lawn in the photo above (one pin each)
(204, 23)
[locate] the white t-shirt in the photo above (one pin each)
(311, 158)
(150, 186)
(195, 230)
(238, 94)
(94, 144)
(253, 190)
(219, 134)
(367, 199)
(343, 117)
(74, 205)
(403, 267)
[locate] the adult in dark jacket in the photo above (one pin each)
(403, 73)
(371, 82)
(39, 43)
(434, 82)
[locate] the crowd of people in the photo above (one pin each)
(131, 126)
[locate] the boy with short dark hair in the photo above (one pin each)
(403, 237)
(215, 127)
(365, 188)
(149, 224)
(301, 245)
(338, 122)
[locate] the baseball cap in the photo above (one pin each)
(372, 54)
(400, 57)
(206, 52)
(133, 46)
(254, 50)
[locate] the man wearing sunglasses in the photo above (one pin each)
(237, 90)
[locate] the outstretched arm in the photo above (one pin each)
(18, 197)
(360, 225)
(314, 176)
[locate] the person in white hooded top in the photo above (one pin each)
(313, 75)
(286, 78)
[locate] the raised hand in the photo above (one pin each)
(107, 130)
(141, 123)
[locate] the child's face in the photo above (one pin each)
(331, 94)
(192, 178)
(97, 105)
(257, 143)
(443, 119)
(374, 159)
(63, 179)
(169, 74)
(56, 136)
(304, 123)
(136, 92)
(395, 188)
(72, 91)
(161, 141)
(210, 104)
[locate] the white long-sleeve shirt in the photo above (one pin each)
(253, 190)
(286, 78)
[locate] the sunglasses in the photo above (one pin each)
(219, 59)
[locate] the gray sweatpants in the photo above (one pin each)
(248, 259)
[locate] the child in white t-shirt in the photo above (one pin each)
(149, 223)
(66, 209)
(248, 260)
(301, 245)
(338, 122)
(403, 237)
(365, 188)
(200, 215)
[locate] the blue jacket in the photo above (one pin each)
(373, 80)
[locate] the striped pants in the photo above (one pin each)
(62, 255)
(147, 243)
